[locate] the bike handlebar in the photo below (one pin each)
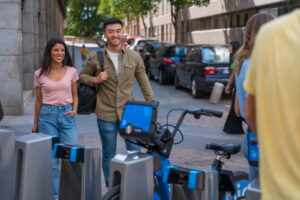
(197, 113)
(214, 113)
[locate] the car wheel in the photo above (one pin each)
(150, 76)
(176, 82)
(161, 79)
(196, 93)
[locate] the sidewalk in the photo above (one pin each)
(88, 135)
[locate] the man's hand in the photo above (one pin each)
(102, 76)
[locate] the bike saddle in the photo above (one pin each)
(227, 148)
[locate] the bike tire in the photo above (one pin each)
(113, 193)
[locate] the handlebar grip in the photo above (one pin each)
(215, 113)
(212, 146)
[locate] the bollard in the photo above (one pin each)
(7, 152)
(216, 93)
(134, 173)
(80, 173)
(33, 177)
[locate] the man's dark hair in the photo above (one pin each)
(112, 21)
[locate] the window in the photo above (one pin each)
(161, 51)
(215, 54)
(192, 54)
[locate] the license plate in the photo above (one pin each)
(225, 71)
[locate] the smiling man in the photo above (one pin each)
(121, 67)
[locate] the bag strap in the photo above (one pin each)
(101, 59)
(101, 63)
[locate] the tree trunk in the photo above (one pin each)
(138, 26)
(151, 33)
(145, 26)
(174, 19)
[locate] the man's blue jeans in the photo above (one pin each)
(52, 121)
(108, 133)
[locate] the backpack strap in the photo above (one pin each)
(101, 63)
(101, 59)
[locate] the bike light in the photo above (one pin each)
(210, 71)
(128, 129)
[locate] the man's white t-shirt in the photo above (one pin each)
(115, 59)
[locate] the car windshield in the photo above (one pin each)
(215, 54)
(131, 41)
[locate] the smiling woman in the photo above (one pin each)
(56, 98)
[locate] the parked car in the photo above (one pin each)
(129, 40)
(162, 63)
(202, 66)
(139, 43)
(147, 51)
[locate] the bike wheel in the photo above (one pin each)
(113, 193)
(241, 183)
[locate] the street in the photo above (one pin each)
(197, 132)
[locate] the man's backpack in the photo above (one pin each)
(1, 112)
(87, 95)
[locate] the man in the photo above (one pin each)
(121, 66)
(272, 108)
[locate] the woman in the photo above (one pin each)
(242, 61)
(233, 124)
(56, 98)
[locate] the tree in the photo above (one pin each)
(83, 18)
(130, 9)
(177, 6)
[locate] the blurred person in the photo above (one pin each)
(56, 98)
(242, 61)
(84, 51)
(121, 67)
(272, 108)
(233, 123)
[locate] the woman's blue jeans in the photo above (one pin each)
(108, 133)
(54, 122)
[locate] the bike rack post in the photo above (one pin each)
(7, 152)
(192, 184)
(134, 172)
(80, 174)
(33, 177)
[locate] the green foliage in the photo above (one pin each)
(131, 9)
(179, 4)
(83, 18)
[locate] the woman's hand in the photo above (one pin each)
(72, 113)
(228, 89)
(35, 128)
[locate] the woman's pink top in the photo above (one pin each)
(56, 92)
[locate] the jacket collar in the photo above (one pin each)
(122, 50)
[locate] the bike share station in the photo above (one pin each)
(26, 168)
(80, 172)
(135, 176)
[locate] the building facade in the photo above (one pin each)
(25, 27)
(220, 22)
